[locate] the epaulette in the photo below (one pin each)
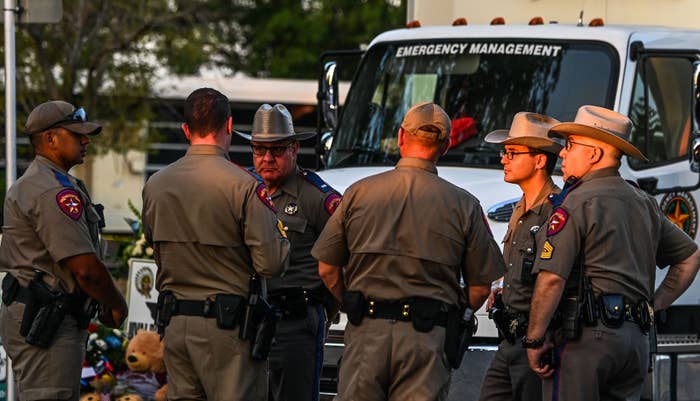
(314, 179)
(557, 199)
(250, 171)
(632, 183)
(62, 178)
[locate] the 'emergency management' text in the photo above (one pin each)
(440, 49)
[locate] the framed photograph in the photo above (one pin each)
(141, 295)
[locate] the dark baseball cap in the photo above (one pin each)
(428, 120)
(58, 113)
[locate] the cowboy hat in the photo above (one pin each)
(603, 125)
(527, 129)
(273, 123)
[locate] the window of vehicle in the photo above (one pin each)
(660, 110)
(481, 84)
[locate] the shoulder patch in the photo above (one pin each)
(331, 203)
(264, 196)
(69, 202)
(62, 178)
(547, 250)
(557, 221)
(314, 179)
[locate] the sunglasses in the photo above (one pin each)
(277, 151)
(78, 115)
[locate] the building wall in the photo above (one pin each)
(676, 13)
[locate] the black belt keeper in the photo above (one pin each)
(400, 310)
(195, 308)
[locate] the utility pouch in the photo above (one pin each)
(645, 316)
(612, 310)
(46, 323)
(423, 313)
(228, 309)
(355, 306)
(265, 333)
(164, 310)
(571, 318)
(10, 288)
(460, 327)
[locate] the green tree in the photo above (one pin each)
(105, 55)
(284, 38)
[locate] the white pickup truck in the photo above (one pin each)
(483, 74)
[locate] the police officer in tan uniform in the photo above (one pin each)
(528, 160)
(394, 252)
(49, 250)
(212, 226)
(616, 235)
(304, 203)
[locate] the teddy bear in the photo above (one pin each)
(146, 374)
(94, 396)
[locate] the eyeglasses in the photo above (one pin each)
(277, 151)
(569, 144)
(510, 154)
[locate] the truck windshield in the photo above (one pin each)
(481, 84)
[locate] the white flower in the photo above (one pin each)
(149, 251)
(101, 344)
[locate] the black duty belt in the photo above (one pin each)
(399, 310)
(22, 295)
(195, 308)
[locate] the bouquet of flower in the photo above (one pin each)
(104, 358)
(137, 248)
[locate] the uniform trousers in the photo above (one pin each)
(604, 364)
(44, 373)
(205, 362)
(296, 357)
(390, 360)
(509, 377)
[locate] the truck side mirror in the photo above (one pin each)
(695, 149)
(329, 94)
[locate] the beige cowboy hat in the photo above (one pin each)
(273, 123)
(603, 125)
(527, 129)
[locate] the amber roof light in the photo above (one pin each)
(498, 21)
(459, 21)
(536, 21)
(413, 24)
(596, 22)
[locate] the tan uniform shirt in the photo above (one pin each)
(619, 232)
(211, 224)
(519, 245)
(408, 232)
(304, 210)
(48, 217)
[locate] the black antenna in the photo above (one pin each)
(580, 19)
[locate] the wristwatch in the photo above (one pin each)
(532, 343)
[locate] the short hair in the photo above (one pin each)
(551, 162)
(206, 110)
